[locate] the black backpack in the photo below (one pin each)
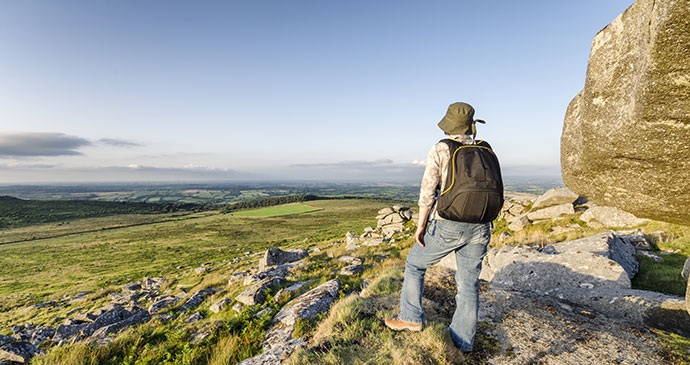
(474, 187)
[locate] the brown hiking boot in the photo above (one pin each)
(399, 325)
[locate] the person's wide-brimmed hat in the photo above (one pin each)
(459, 119)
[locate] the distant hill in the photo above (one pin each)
(15, 212)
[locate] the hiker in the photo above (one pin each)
(461, 193)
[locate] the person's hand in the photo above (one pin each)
(420, 235)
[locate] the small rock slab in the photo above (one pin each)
(257, 293)
(220, 305)
(352, 270)
(611, 217)
(309, 304)
(276, 256)
(551, 212)
(162, 303)
(350, 260)
(196, 299)
(194, 317)
(604, 244)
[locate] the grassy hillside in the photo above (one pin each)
(42, 270)
(18, 212)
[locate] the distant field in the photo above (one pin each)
(276, 210)
(47, 269)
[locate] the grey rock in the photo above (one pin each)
(352, 246)
(611, 217)
(162, 303)
(518, 223)
(41, 335)
(607, 245)
(238, 307)
(686, 269)
(109, 317)
(196, 299)
(6, 339)
(309, 304)
(257, 293)
(642, 307)
(194, 317)
(219, 305)
(638, 241)
(164, 317)
(150, 284)
(80, 297)
(373, 242)
(399, 208)
(390, 219)
(85, 317)
(635, 90)
(651, 256)
(285, 293)
(276, 256)
(137, 316)
(280, 271)
(132, 287)
(391, 229)
(551, 212)
(386, 211)
(555, 196)
(200, 336)
(200, 270)
(237, 276)
(123, 298)
(65, 332)
(20, 352)
(352, 270)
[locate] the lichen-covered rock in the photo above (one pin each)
(626, 135)
(162, 303)
(219, 305)
(276, 256)
(257, 293)
(309, 304)
(196, 299)
(604, 244)
(611, 217)
(551, 212)
(137, 316)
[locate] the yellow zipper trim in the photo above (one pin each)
(452, 160)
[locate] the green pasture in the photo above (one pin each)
(275, 211)
(100, 260)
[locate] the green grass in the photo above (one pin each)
(275, 211)
(42, 270)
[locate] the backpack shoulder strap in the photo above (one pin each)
(484, 144)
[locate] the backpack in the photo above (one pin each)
(474, 187)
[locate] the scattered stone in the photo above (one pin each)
(151, 284)
(41, 335)
(198, 337)
(132, 287)
(551, 212)
(611, 217)
(65, 332)
(263, 311)
(555, 196)
(373, 242)
(285, 293)
(350, 260)
(196, 299)
(280, 271)
(352, 270)
(237, 276)
(194, 317)
(162, 303)
(238, 307)
(276, 256)
(219, 305)
(519, 222)
(314, 250)
(200, 270)
(20, 352)
(309, 304)
(257, 293)
(137, 316)
(164, 317)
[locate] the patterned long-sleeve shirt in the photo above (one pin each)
(436, 171)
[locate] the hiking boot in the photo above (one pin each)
(399, 325)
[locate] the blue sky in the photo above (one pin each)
(348, 90)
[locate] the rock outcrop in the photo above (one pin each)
(275, 256)
(626, 135)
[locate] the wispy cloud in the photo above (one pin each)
(384, 170)
(25, 144)
(118, 142)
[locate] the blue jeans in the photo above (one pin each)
(468, 241)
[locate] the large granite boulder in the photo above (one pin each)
(626, 135)
(525, 267)
(607, 245)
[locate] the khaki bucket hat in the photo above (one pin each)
(459, 119)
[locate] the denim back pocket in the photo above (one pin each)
(449, 235)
